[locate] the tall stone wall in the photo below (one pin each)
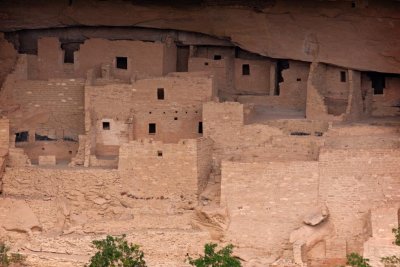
(266, 201)
(352, 181)
(176, 171)
(55, 104)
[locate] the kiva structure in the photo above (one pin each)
(177, 139)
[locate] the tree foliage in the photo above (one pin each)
(6, 258)
(212, 258)
(116, 252)
(356, 260)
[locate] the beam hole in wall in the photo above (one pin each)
(298, 79)
(206, 63)
(21, 136)
(176, 118)
(200, 127)
(159, 153)
(343, 76)
(106, 125)
(121, 63)
(160, 93)
(353, 4)
(378, 82)
(150, 112)
(217, 57)
(70, 152)
(176, 111)
(152, 128)
(245, 69)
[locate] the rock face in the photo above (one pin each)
(325, 31)
(316, 216)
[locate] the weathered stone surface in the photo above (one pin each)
(316, 216)
(324, 31)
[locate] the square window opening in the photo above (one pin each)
(22, 137)
(245, 69)
(152, 128)
(160, 94)
(122, 63)
(217, 57)
(106, 125)
(159, 153)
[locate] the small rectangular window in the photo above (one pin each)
(106, 125)
(159, 153)
(160, 93)
(152, 128)
(245, 69)
(217, 57)
(343, 76)
(122, 63)
(21, 137)
(200, 127)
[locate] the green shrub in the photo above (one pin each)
(115, 251)
(356, 260)
(6, 259)
(221, 258)
(391, 261)
(396, 232)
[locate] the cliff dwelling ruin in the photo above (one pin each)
(272, 125)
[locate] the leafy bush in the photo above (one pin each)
(396, 232)
(356, 260)
(115, 251)
(6, 259)
(391, 261)
(221, 258)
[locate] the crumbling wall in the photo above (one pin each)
(8, 58)
(222, 70)
(48, 105)
(223, 123)
(265, 202)
(50, 59)
(387, 104)
(350, 191)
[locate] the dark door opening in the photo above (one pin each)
(182, 58)
(160, 93)
(245, 69)
(152, 128)
(200, 127)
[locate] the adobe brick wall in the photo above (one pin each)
(55, 105)
(352, 181)
(259, 79)
(388, 103)
(144, 58)
(266, 201)
(174, 171)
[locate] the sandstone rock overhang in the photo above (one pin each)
(352, 34)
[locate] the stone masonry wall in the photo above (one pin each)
(352, 181)
(266, 201)
(166, 170)
(53, 104)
